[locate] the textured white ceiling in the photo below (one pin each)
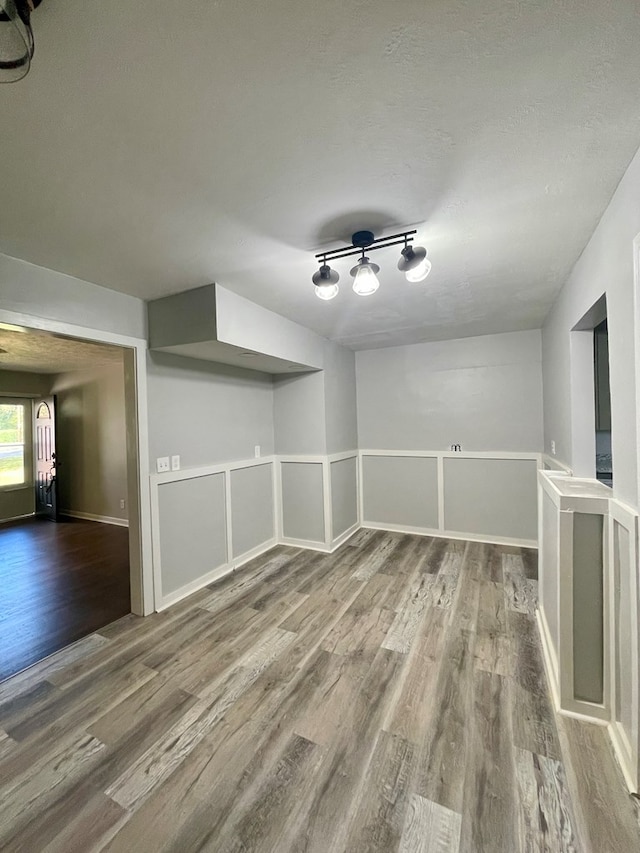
(40, 352)
(157, 146)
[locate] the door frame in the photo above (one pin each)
(138, 494)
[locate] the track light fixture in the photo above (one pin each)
(413, 263)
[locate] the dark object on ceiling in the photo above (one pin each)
(17, 44)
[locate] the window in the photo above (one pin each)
(12, 443)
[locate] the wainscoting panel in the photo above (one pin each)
(192, 530)
(344, 495)
(548, 576)
(625, 648)
(400, 490)
(303, 502)
(588, 607)
(491, 497)
(488, 497)
(252, 508)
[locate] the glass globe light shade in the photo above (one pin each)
(326, 291)
(365, 279)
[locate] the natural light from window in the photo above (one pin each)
(11, 444)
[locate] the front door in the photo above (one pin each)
(46, 486)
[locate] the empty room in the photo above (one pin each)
(368, 277)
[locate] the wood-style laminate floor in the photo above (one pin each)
(58, 582)
(388, 697)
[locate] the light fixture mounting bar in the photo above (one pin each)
(381, 243)
(347, 253)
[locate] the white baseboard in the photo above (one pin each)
(215, 575)
(17, 518)
(240, 561)
(549, 658)
(195, 586)
(624, 757)
(89, 516)
(452, 534)
(312, 545)
(551, 670)
(309, 544)
(342, 538)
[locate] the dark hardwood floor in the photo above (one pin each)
(58, 582)
(387, 697)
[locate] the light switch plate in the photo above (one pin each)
(256, 450)
(553, 448)
(162, 464)
(175, 463)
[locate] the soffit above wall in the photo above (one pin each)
(213, 324)
(151, 150)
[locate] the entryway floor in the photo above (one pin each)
(58, 583)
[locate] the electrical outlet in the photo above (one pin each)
(162, 464)
(122, 504)
(553, 448)
(175, 463)
(256, 450)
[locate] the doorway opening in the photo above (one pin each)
(591, 396)
(602, 395)
(65, 483)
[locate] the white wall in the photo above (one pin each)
(91, 441)
(606, 266)
(484, 393)
(207, 412)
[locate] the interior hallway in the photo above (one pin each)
(58, 582)
(389, 696)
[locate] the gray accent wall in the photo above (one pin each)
(252, 510)
(299, 414)
(484, 393)
(24, 384)
(205, 412)
(400, 490)
(302, 501)
(588, 628)
(315, 413)
(192, 530)
(491, 497)
(91, 440)
(344, 495)
(340, 398)
(17, 502)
